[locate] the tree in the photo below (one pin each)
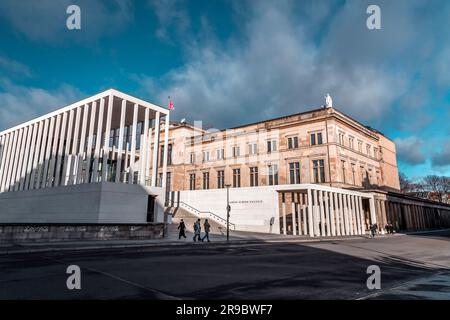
(406, 184)
(440, 185)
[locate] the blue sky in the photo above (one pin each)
(234, 62)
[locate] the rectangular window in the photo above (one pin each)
(192, 157)
(235, 151)
(375, 153)
(294, 172)
(271, 145)
(253, 176)
(353, 175)
(252, 148)
(368, 149)
(169, 154)
(192, 181)
(160, 179)
(205, 180)
(292, 142)
(205, 156)
(350, 142)
(319, 171)
(319, 138)
(341, 138)
(220, 153)
(360, 146)
(313, 139)
(273, 174)
(236, 178)
(343, 171)
(220, 179)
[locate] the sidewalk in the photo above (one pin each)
(236, 238)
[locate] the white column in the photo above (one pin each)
(299, 215)
(82, 144)
(133, 144)
(342, 214)
(310, 214)
(332, 214)
(67, 157)
(155, 150)
(337, 214)
(120, 147)
(42, 154)
(31, 156)
(350, 214)
(360, 214)
(322, 213)
(26, 159)
(52, 174)
(294, 225)
(356, 216)
(4, 144)
(36, 156)
(327, 212)
(16, 150)
(74, 152)
(98, 140)
(107, 137)
(305, 221)
(6, 163)
(18, 176)
(283, 207)
(148, 155)
(62, 135)
(166, 150)
(87, 174)
(47, 152)
(373, 216)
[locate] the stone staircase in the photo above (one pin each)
(189, 220)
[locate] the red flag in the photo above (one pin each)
(171, 107)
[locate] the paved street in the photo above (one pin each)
(412, 267)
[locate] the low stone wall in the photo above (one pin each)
(18, 233)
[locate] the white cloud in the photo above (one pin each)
(410, 150)
(20, 103)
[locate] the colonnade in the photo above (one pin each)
(107, 137)
(325, 211)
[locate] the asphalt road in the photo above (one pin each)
(412, 267)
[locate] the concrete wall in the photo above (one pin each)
(85, 203)
(251, 208)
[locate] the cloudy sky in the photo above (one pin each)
(233, 62)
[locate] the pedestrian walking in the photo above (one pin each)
(182, 228)
(197, 230)
(373, 230)
(207, 227)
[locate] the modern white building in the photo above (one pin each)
(61, 166)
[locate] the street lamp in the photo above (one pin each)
(228, 211)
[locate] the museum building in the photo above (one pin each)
(116, 159)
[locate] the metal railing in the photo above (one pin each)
(208, 213)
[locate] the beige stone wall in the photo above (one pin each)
(376, 168)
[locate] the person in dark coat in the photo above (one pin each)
(182, 228)
(207, 227)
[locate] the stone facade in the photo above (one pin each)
(321, 146)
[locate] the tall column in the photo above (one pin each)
(310, 214)
(80, 159)
(144, 157)
(120, 147)
(106, 147)
(327, 212)
(133, 143)
(322, 213)
(166, 150)
(155, 150)
(355, 216)
(373, 218)
(7, 160)
(62, 136)
(87, 172)
(345, 215)
(36, 156)
(332, 214)
(294, 224)
(42, 154)
(12, 176)
(283, 207)
(98, 140)
(299, 214)
(52, 171)
(26, 159)
(67, 157)
(362, 216)
(18, 177)
(350, 213)
(74, 152)
(47, 152)
(4, 144)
